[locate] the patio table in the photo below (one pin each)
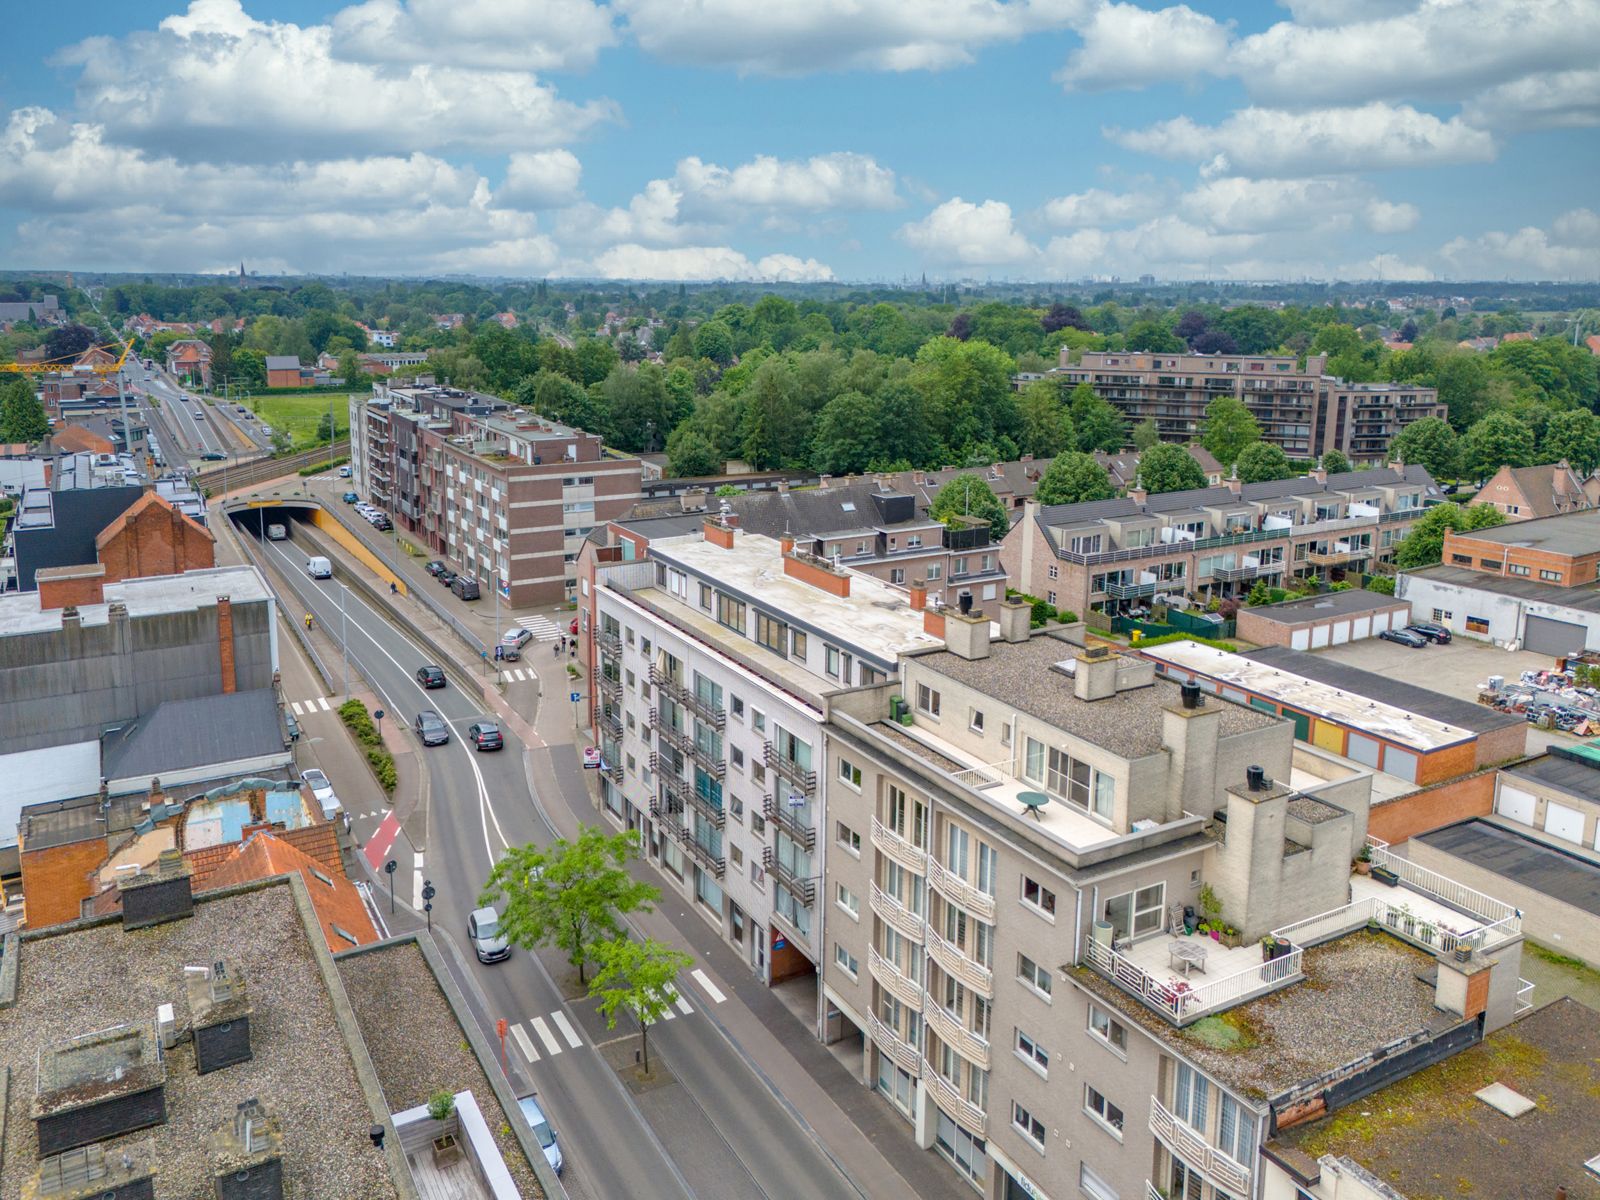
(1187, 953)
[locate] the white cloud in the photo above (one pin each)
(1099, 207)
(515, 35)
(1234, 204)
(1167, 245)
(763, 37)
(959, 233)
(632, 261)
(1275, 142)
(214, 83)
(1387, 267)
(1343, 12)
(787, 268)
(541, 179)
(1569, 249)
(821, 183)
(1384, 217)
(1558, 100)
(1125, 46)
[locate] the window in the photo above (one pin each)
(736, 706)
(1033, 975)
(1191, 1099)
(705, 596)
(847, 900)
(1054, 572)
(1027, 1124)
(1098, 1107)
(849, 839)
(1135, 914)
(1519, 569)
(1033, 760)
(846, 961)
(957, 844)
(849, 774)
(736, 755)
(830, 661)
(1442, 614)
(1030, 1052)
(730, 612)
(1038, 896)
(927, 700)
(988, 864)
(897, 575)
(758, 720)
(1550, 576)
(935, 571)
(772, 633)
(1107, 1030)
(1233, 1129)
(975, 720)
(1094, 1187)
(797, 645)
(735, 855)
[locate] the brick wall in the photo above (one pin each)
(1433, 807)
(63, 586)
(1449, 763)
(156, 539)
(55, 881)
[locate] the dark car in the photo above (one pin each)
(431, 728)
(1434, 633)
(446, 577)
(485, 735)
(1405, 637)
(350, 497)
(213, 456)
(383, 524)
(430, 677)
(465, 587)
(434, 567)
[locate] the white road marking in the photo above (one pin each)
(711, 989)
(542, 628)
(416, 885)
(567, 1031)
(545, 1036)
(683, 1005)
(323, 700)
(295, 704)
(524, 1043)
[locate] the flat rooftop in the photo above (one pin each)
(1429, 1134)
(1577, 776)
(1321, 608)
(1128, 724)
(1524, 860)
(304, 1071)
(1360, 991)
(42, 775)
(1584, 598)
(147, 597)
(1358, 709)
(1567, 533)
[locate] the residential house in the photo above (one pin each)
(1527, 493)
(285, 371)
(46, 310)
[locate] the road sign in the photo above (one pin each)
(591, 758)
(574, 696)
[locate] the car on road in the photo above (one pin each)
(486, 735)
(430, 677)
(542, 1131)
(344, 472)
(1434, 633)
(277, 533)
(465, 588)
(382, 524)
(266, 430)
(446, 577)
(516, 636)
(431, 728)
(488, 940)
(213, 456)
(434, 566)
(351, 498)
(321, 789)
(1404, 637)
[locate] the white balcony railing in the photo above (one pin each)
(1493, 913)
(1181, 1001)
(957, 965)
(959, 891)
(887, 841)
(889, 977)
(1189, 1144)
(971, 1046)
(891, 911)
(956, 1106)
(903, 1053)
(1524, 995)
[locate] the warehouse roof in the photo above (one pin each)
(1585, 598)
(1320, 608)
(1569, 533)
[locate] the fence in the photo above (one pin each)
(259, 470)
(1179, 1000)
(1496, 914)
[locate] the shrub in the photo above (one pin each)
(319, 468)
(1066, 616)
(1382, 584)
(1214, 643)
(441, 1104)
(382, 763)
(1042, 612)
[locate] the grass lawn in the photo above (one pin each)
(299, 413)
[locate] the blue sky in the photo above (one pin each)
(807, 139)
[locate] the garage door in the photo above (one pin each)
(1341, 632)
(1300, 639)
(1543, 635)
(1515, 804)
(1563, 822)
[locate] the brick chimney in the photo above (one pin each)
(1319, 472)
(786, 543)
(219, 1015)
(818, 572)
(161, 894)
(718, 533)
(1233, 483)
(60, 587)
(1137, 492)
(919, 595)
(230, 679)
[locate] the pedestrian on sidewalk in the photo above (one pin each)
(556, 649)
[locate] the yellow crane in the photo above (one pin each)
(62, 366)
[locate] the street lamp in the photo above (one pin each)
(427, 901)
(389, 869)
(344, 638)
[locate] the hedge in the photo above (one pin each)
(319, 468)
(1214, 643)
(356, 718)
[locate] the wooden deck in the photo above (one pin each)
(457, 1182)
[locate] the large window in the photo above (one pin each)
(1135, 914)
(772, 633)
(1192, 1098)
(730, 612)
(1233, 1129)
(969, 1154)
(958, 843)
(1102, 1110)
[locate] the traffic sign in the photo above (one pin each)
(591, 757)
(574, 696)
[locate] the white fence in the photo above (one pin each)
(1487, 909)
(1178, 999)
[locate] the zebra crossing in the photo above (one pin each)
(517, 674)
(304, 708)
(543, 1036)
(542, 628)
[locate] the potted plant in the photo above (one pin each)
(1425, 931)
(1391, 916)
(1385, 876)
(1408, 919)
(1363, 861)
(1269, 948)
(446, 1149)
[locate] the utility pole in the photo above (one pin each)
(344, 639)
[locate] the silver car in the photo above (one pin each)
(321, 789)
(543, 1133)
(488, 941)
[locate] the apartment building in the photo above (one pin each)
(715, 656)
(1023, 832)
(504, 495)
(1213, 542)
(1304, 411)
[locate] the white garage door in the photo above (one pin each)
(1319, 637)
(1360, 628)
(1341, 632)
(1300, 639)
(1380, 622)
(1363, 749)
(1563, 822)
(1515, 805)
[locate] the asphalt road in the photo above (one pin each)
(729, 1135)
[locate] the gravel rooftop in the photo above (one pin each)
(400, 1008)
(302, 1070)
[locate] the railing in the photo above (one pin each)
(805, 890)
(680, 741)
(712, 714)
(609, 722)
(1132, 591)
(609, 643)
(889, 910)
(887, 842)
(953, 962)
(659, 764)
(1181, 1001)
(889, 976)
(1494, 913)
(1151, 1192)
(608, 686)
(953, 1033)
(787, 819)
(714, 813)
(958, 891)
(715, 863)
(710, 764)
(676, 792)
(1190, 1144)
(1329, 558)
(1157, 549)
(613, 772)
(956, 1106)
(802, 777)
(902, 1053)
(978, 778)
(1524, 995)
(1237, 574)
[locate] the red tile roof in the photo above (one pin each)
(339, 907)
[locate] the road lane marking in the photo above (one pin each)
(323, 700)
(683, 1005)
(545, 1036)
(382, 841)
(416, 885)
(567, 1031)
(296, 706)
(711, 989)
(524, 1043)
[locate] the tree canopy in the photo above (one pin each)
(1499, 440)
(1261, 462)
(1424, 545)
(1429, 443)
(967, 495)
(1169, 468)
(1073, 478)
(1099, 426)
(1575, 436)
(638, 977)
(22, 417)
(1229, 427)
(1335, 463)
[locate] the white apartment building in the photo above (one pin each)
(713, 660)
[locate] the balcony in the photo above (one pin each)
(802, 777)
(610, 688)
(805, 890)
(890, 844)
(611, 725)
(609, 643)
(889, 910)
(958, 966)
(675, 791)
(712, 714)
(889, 977)
(1190, 1145)
(613, 772)
(956, 1106)
(714, 813)
(787, 818)
(680, 741)
(1241, 574)
(715, 863)
(707, 762)
(903, 1054)
(1232, 976)
(953, 1033)
(1133, 591)
(1339, 555)
(958, 891)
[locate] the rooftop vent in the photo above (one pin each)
(247, 1155)
(1256, 778)
(219, 1013)
(90, 1173)
(1190, 694)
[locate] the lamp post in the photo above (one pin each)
(344, 638)
(428, 894)
(389, 869)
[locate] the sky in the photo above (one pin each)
(806, 140)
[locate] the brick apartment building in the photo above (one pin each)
(506, 496)
(1213, 542)
(1305, 412)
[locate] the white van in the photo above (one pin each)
(277, 533)
(319, 568)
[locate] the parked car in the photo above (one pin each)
(512, 641)
(430, 677)
(350, 498)
(483, 931)
(446, 577)
(1404, 637)
(434, 566)
(542, 1131)
(486, 735)
(213, 456)
(431, 729)
(1434, 633)
(383, 524)
(465, 587)
(321, 789)
(344, 472)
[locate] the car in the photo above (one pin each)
(1404, 637)
(465, 587)
(321, 789)
(430, 677)
(1434, 633)
(516, 636)
(488, 941)
(213, 456)
(434, 566)
(266, 430)
(344, 472)
(365, 509)
(446, 577)
(431, 728)
(486, 735)
(542, 1131)
(351, 498)
(383, 524)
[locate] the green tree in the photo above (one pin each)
(1169, 468)
(1046, 428)
(350, 369)
(327, 429)
(249, 368)
(1146, 434)
(967, 386)
(571, 895)
(638, 977)
(1429, 443)
(22, 416)
(1261, 462)
(1335, 463)
(1099, 426)
(1382, 584)
(847, 437)
(1153, 337)
(1424, 545)
(1499, 440)
(690, 454)
(1229, 427)
(1260, 593)
(642, 412)
(967, 495)
(594, 359)
(714, 340)
(1573, 435)
(1073, 478)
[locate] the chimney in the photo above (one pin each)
(966, 633)
(1255, 778)
(60, 587)
(783, 487)
(1189, 734)
(718, 533)
(933, 622)
(1233, 483)
(1190, 695)
(158, 895)
(824, 480)
(1137, 492)
(247, 1155)
(1015, 620)
(219, 1015)
(230, 678)
(919, 595)
(786, 543)
(1319, 472)
(818, 572)
(1095, 676)
(693, 500)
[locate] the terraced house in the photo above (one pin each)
(1107, 555)
(1025, 835)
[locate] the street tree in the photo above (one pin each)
(689, 454)
(1261, 462)
(22, 417)
(1146, 434)
(1073, 478)
(1099, 426)
(1424, 545)
(571, 895)
(966, 495)
(349, 368)
(638, 977)
(1169, 468)
(1229, 428)
(1429, 443)
(1499, 440)
(1335, 463)
(1573, 435)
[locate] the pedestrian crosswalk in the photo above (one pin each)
(549, 1034)
(519, 674)
(304, 708)
(542, 628)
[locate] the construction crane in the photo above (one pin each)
(63, 366)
